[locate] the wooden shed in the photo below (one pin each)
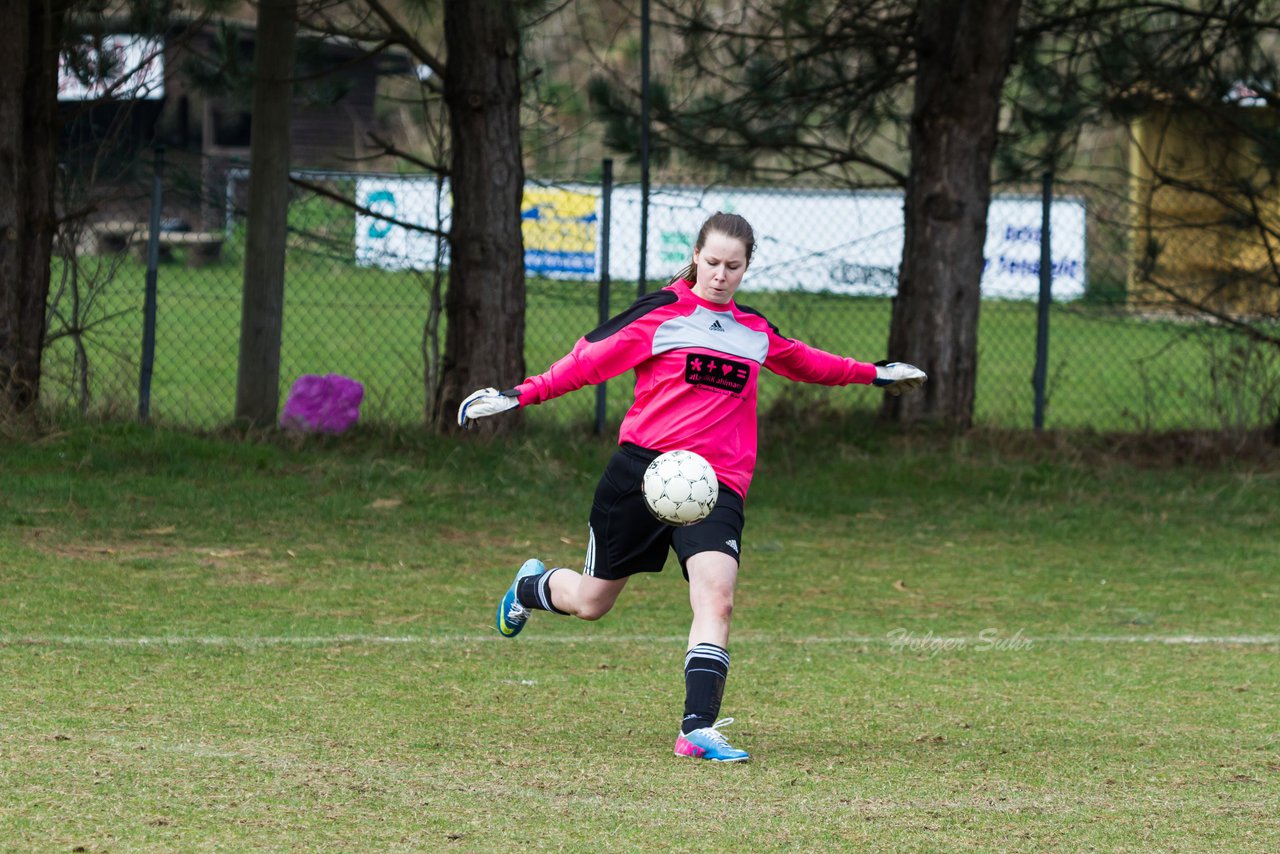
(1205, 211)
(200, 113)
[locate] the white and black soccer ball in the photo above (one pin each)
(680, 488)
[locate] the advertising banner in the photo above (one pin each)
(822, 241)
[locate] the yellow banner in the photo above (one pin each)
(559, 229)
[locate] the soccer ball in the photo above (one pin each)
(680, 488)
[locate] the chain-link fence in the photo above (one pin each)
(363, 294)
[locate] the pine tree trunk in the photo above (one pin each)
(484, 306)
(964, 49)
(28, 102)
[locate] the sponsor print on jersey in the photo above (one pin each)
(716, 372)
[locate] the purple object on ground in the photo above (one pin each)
(328, 404)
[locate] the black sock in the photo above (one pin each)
(706, 667)
(535, 592)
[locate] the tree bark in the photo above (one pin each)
(964, 49)
(485, 302)
(28, 105)
(262, 317)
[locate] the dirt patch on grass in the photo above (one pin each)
(795, 428)
(237, 566)
(1209, 449)
(247, 576)
(39, 539)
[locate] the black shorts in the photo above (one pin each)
(626, 538)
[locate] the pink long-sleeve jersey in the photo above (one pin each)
(696, 365)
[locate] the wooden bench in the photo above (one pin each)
(113, 236)
(202, 247)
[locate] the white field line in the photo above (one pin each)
(927, 642)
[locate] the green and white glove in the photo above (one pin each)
(897, 377)
(486, 402)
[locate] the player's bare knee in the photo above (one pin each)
(593, 612)
(593, 609)
(716, 609)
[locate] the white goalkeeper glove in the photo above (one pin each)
(897, 377)
(486, 402)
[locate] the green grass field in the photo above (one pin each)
(992, 643)
(1108, 370)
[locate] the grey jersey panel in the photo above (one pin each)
(712, 330)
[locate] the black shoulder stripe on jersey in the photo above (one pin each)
(638, 309)
(749, 310)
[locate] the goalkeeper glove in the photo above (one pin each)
(486, 402)
(897, 377)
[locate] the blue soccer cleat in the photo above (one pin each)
(511, 614)
(709, 743)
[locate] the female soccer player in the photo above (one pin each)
(697, 355)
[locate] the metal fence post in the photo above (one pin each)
(1040, 375)
(606, 192)
(149, 300)
(642, 283)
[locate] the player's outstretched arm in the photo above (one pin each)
(486, 402)
(897, 377)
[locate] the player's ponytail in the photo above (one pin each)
(689, 274)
